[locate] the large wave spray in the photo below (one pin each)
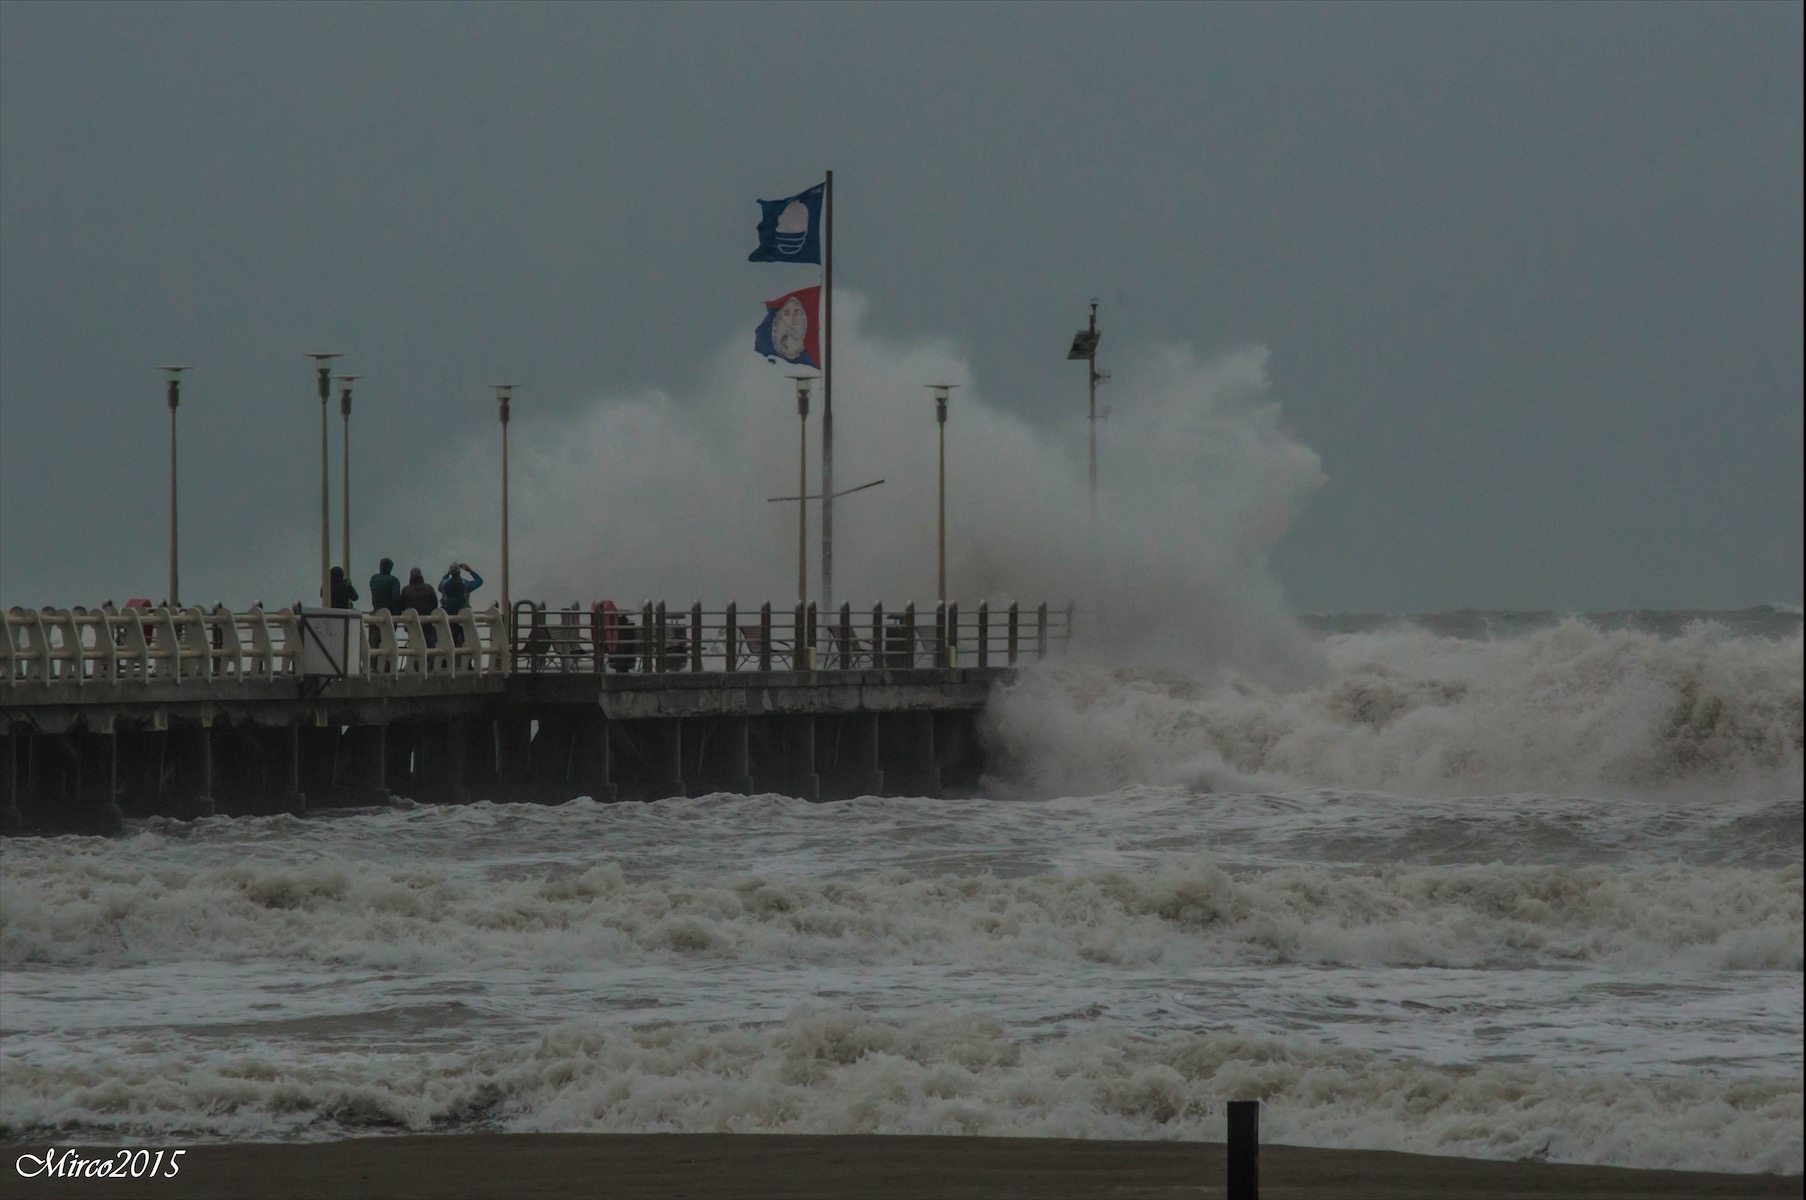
(664, 495)
(1573, 707)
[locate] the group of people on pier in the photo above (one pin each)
(388, 594)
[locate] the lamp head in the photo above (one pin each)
(174, 390)
(323, 365)
(940, 392)
(802, 393)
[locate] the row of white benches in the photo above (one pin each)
(79, 647)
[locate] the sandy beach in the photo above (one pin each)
(745, 1166)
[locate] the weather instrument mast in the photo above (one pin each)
(1084, 346)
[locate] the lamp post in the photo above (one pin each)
(345, 382)
(504, 395)
(323, 369)
(174, 376)
(802, 486)
(940, 391)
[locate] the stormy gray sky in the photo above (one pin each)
(1523, 281)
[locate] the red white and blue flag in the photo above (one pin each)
(791, 329)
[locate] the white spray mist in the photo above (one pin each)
(659, 496)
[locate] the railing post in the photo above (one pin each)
(765, 636)
(662, 638)
(880, 652)
(598, 635)
(730, 639)
(1015, 622)
(952, 648)
(799, 633)
(696, 636)
(515, 626)
(984, 633)
(1041, 630)
(1244, 1150)
(940, 633)
(845, 636)
(909, 626)
(646, 638)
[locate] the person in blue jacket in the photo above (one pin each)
(454, 593)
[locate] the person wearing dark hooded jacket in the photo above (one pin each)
(419, 596)
(385, 589)
(385, 596)
(343, 594)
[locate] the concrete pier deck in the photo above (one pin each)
(107, 716)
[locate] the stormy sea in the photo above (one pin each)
(1498, 885)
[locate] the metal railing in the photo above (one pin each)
(78, 647)
(658, 638)
(57, 648)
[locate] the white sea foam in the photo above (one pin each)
(1097, 967)
(840, 1070)
(1180, 911)
(1568, 708)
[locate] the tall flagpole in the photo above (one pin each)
(827, 411)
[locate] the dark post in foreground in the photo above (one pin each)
(1244, 1150)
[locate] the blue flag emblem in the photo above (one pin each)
(790, 229)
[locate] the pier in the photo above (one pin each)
(107, 714)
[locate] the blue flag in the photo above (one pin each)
(790, 229)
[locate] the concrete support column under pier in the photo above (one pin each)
(439, 775)
(319, 764)
(257, 770)
(513, 752)
(958, 752)
(138, 771)
(846, 755)
(647, 756)
(364, 766)
(717, 757)
(401, 744)
(11, 821)
(781, 756)
(480, 757)
(592, 765)
(906, 754)
(65, 783)
(548, 778)
(188, 794)
(98, 798)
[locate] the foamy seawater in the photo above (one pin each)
(1524, 894)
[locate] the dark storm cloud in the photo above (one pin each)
(1530, 275)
